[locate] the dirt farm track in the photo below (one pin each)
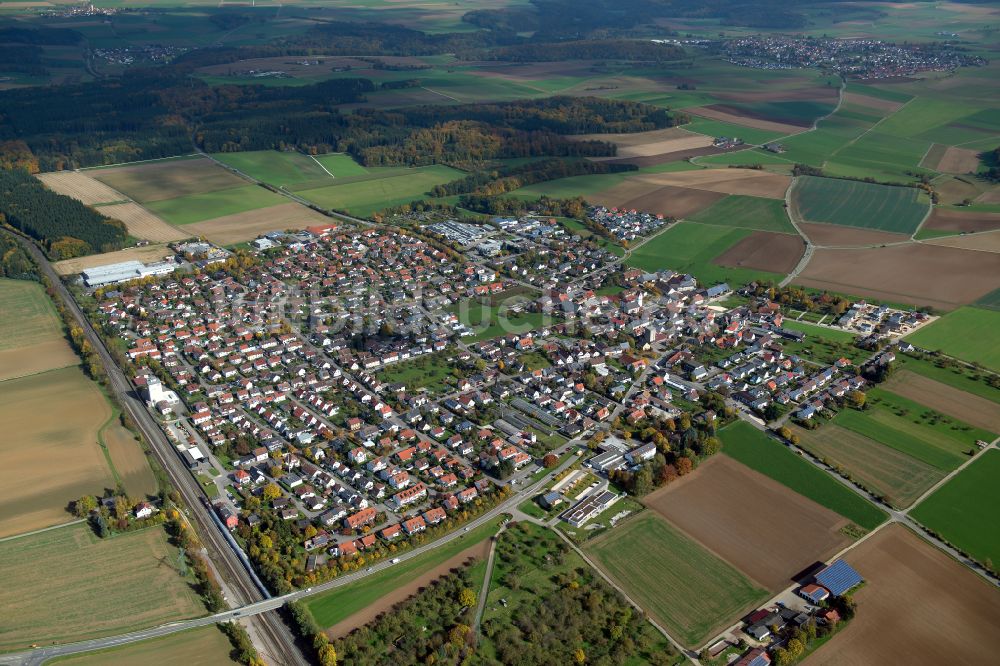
(771, 538)
(918, 607)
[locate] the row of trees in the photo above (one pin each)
(507, 179)
(575, 207)
(66, 227)
(14, 261)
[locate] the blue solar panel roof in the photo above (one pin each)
(839, 577)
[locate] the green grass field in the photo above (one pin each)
(968, 333)
(341, 165)
(278, 168)
(690, 247)
(748, 213)
(745, 157)
(855, 204)
(26, 315)
(682, 585)
(60, 564)
(954, 374)
(487, 321)
(208, 205)
(963, 510)
(716, 128)
(380, 188)
(811, 331)
(756, 450)
(331, 607)
(205, 646)
(424, 373)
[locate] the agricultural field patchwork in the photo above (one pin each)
(683, 586)
(967, 333)
(758, 451)
(856, 204)
(962, 510)
(147, 590)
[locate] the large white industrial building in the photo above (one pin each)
(125, 271)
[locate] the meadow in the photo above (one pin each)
(204, 646)
(691, 592)
(279, 168)
(856, 204)
(690, 247)
(380, 188)
(963, 509)
(209, 205)
(487, 321)
(968, 333)
(31, 338)
(141, 586)
(756, 450)
(748, 213)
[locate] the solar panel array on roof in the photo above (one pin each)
(839, 577)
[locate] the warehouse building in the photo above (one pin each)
(124, 271)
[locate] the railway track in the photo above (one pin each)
(273, 637)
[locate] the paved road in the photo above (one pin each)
(272, 636)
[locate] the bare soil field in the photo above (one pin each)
(81, 187)
(130, 460)
(883, 105)
(918, 607)
(765, 530)
(991, 196)
(955, 160)
(954, 220)
(662, 158)
(146, 253)
(840, 236)
(479, 551)
(157, 181)
(32, 359)
(678, 202)
(919, 273)
(956, 189)
(764, 93)
(646, 144)
(231, 229)
(765, 251)
(53, 461)
(141, 223)
(728, 114)
(963, 405)
(727, 181)
(988, 241)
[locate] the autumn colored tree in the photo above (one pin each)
(467, 597)
(684, 466)
(550, 460)
(271, 492)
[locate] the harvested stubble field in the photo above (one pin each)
(750, 182)
(727, 114)
(680, 584)
(142, 223)
(961, 221)
(53, 461)
(764, 251)
(834, 235)
(129, 460)
(855, 204)
(899, 477)
(240, 227)
(146, 253)
(205, 646)
(167, 179)
(917, 273)
(770, 539)
(676, 202)
(972, 409)
(80, 186)
(68, 585)
(646, 144)
(31, 338)
(918, 606)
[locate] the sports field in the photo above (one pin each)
(747, 212)
(205, 646)
(899, 477)
(914, 429)
(967, 333)
(856, 204)
(68, 585)
(52, 461)
(31, 338)
(682, 585)
(381, 188)
(756, 450)
(691, 247)
(964, 510)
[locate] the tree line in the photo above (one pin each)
(64, 226)
(509, 178)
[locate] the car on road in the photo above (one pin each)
(394, 560)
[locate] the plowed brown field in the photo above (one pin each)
(729, 115)
(918, 273)
(964, 406)
(988, 241)
(840, 236)
(678, 202)
(953, 220)
(761, 527)
(765, 251)
(957, 160)
(918, 607)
